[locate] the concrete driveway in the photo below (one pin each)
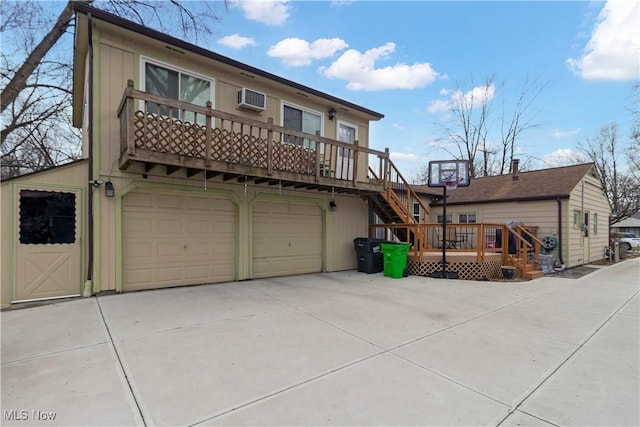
(332, 349)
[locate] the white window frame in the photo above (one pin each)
(467, 217)
(284, 103)
(145, 59)
(577, 219)
(416, 207)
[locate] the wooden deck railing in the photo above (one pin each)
(518, 245)
(161, 130)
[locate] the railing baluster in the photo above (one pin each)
(356, 160)
(270, 146)
(208, 142)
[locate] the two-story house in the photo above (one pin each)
(197, 169)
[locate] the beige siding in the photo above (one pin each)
(350, 220)
(577, 249)
(588, 198)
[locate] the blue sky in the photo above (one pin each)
(406, 60)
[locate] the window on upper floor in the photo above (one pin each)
(174, 83)
(302, 120)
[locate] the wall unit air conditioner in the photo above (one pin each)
(252, 100)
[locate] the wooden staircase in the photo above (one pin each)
(395, 205)
(526, 260)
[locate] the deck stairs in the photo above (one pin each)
(395, 206)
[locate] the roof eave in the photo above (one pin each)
(149, 32)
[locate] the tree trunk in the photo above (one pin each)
(19, 80)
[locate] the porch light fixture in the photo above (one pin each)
(109, 191)
(332, 113)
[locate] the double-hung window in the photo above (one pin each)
(296, 118)
(181, 85)
(466, 218)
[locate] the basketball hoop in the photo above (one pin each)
(450, 185)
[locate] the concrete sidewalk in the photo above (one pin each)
(333, 349)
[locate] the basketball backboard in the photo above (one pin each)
(443, 172)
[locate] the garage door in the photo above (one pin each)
(287, 239)
(175, 239)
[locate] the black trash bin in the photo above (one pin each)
(369, 253)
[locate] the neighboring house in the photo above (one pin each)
(198, 169)
(629, 225)
(567, 204)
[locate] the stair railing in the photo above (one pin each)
(400, 196)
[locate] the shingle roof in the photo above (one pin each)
(540, 184)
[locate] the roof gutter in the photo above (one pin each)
(520, 199)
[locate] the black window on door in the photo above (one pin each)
(47, 217)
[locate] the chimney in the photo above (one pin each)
(514, 168)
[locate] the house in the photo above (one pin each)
(196, 169)
(566, 205)
(629, 225)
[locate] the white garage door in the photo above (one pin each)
(287, 239)
(175, 239)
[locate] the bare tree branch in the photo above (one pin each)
(622, 190)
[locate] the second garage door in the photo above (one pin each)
(287, 239)
(175, 239)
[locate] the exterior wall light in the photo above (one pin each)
(332, 206)
(109, 191)
(332, 113)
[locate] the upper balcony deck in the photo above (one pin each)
(162, 131)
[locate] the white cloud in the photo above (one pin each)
(613, 52)
(236, 41)
(268, 12)
(297, 52)
(557, 133)
(439, 105)
(562, 157)
(405, 157)
(473, 98)
(398, 126)
(360, 72)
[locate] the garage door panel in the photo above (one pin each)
(188, 239)
(287, 239)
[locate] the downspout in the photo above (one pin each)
(560, 231)
(88, 285)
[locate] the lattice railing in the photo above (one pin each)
(154, 124)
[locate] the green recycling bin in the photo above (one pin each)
(395, 259)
